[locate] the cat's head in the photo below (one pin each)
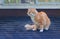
(32, 12)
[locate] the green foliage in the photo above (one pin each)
(11, 1)
(49, 0)
(5, 1)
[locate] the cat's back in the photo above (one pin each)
(41, 16)
(42, 13)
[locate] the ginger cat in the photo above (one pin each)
(40, 19)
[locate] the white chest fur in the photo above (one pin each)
(32, 18)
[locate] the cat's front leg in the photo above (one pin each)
(41, 28)
(34, 28)
(47, 25)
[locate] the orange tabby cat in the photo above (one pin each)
(40, 19)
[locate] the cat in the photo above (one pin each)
(40, 19)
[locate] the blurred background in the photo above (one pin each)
(29, 3)
(19, 7)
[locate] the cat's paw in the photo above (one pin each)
(34, 29)
(41, 30)
(46, 28)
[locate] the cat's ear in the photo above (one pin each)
(33, 8)
(29, 9)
